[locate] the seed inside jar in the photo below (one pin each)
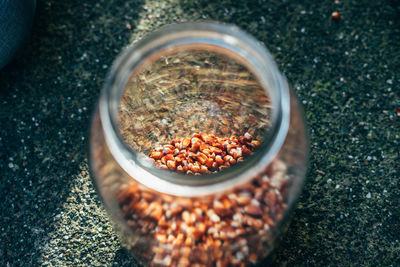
(203, 153)
(229, 229)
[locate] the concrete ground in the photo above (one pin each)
(345, 72)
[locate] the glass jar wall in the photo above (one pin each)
(198, 147)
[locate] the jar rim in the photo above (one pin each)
(226, 37)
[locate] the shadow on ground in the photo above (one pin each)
(47, 97)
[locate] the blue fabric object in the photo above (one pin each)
(16, 18)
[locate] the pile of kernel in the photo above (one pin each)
(229, 229)
(203, 153)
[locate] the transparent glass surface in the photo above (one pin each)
(189, 91)
(170, 87)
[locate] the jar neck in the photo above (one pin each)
(207, 36)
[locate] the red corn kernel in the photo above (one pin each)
(207, 152)
(197, 135)
(203, 146)
(204, 169)
(170, 147)
(169, 157)
(156, 155)
(209, 162)
(248, 137)
(214, 165)
(227, 158)
(165, 167)
(173, 142)
(336, 15)
(167, 150)
(185, 142)
(234, 139)
(253, 210)
(171, 164)
(195, 168)
(255, 143)
(204, 137)
(216, 150)
(202, 158)
(245, 150)
(195, 145)
(219, 160)
(241, 140)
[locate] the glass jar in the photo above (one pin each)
(214, 85)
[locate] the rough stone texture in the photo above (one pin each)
(345, 72)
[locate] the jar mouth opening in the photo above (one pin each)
(202, 36)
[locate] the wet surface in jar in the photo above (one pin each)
(203, 153)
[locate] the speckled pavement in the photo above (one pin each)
(345, 72)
